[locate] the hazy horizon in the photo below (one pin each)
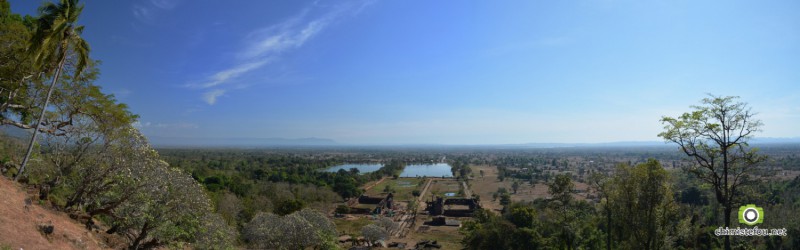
(420, 72)
(312, 141)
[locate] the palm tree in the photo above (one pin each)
(57, 37)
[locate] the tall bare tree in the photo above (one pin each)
(715, 136)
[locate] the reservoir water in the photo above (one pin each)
(362, 168)
(427, 170)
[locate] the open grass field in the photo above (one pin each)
(402, 188)
(448, 237)
(488, 184)
(441, 187)
(352, 224)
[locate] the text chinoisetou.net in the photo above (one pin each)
(755, 231)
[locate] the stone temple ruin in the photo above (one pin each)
(453, 207)
(382, 204)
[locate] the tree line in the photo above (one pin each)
(644, 206)
(89, 160)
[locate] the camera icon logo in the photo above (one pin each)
(751, 215)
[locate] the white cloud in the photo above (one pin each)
(121, 93)
(178, 125)
(266, 44)
(211, 96)
(147, 12)
(164, 4)
(223, 76)
(143, 14)
(281, 37)
(139, 124)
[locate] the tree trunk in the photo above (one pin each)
(608, 225)
(727, 189)
(142, 234)
(727, 225)
(44, 110)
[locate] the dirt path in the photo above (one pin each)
(406, 221)
(424, 190)
(374, 184)
(467, 192)
(19, 224)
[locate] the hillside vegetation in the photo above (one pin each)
(82, 176)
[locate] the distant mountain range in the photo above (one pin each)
(754, 141)
(316, 142)
(239, 142)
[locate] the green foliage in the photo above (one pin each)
(515, 186)
(168, 208)
(90, 159)
(342, 209)
(302, 229)
(57, 34)
(505, 199)
(289, 206)
(522, 216)
(388, 189)
(642, 206)
(373, 232)
(215, 233)
(461, 169)
(489, 231)
(555, 223)
(715, 136)
(561, 188)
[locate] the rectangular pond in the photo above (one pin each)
(427, 170)
(362, 168)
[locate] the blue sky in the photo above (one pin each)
(400, 72)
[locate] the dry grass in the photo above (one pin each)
(488, 185)
(440, 187)
(351, 225)
(402, 187)
(19, 225)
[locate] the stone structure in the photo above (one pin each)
(382, 204)
(465, 207)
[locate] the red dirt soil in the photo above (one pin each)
(19, 225)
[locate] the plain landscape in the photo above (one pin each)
(399, 125)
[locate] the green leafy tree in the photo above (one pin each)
(522, 216)
(289, 206)
(300, 230)
(16, 68)
(92, 156)
(167, 210)
(515, 186)
(505, 199)
(386, 223)
(57, 37)
(517, 230)
(602, 186)
(561, 190)
(342, 209)
(642, 205)
(715, 136)
(374, 233)
(215, 233)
